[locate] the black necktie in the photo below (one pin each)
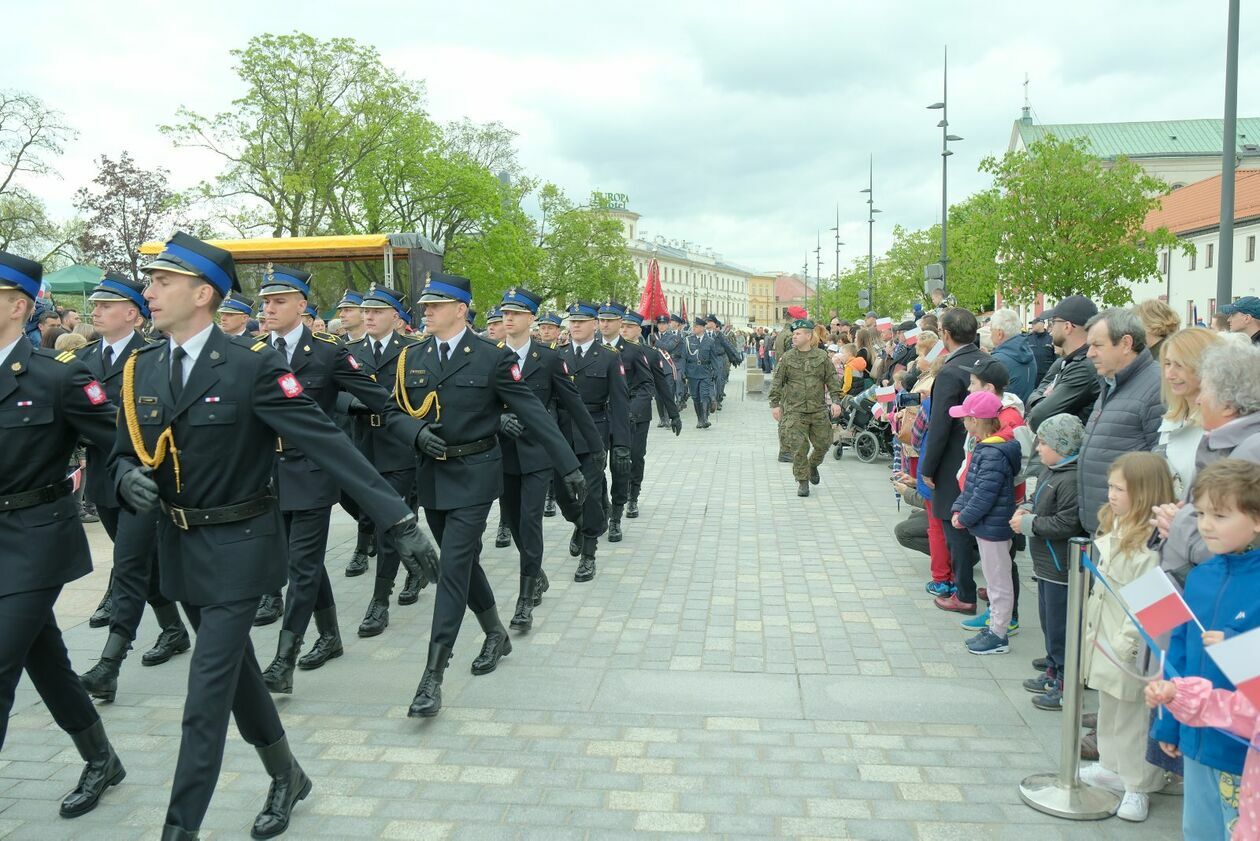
(376, 352)
(177, 371)
(283, 347)
(444, 353)
(109, 357)
(580, 352)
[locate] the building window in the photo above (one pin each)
(1193, 259)
(1211, 251)
(1251, 248)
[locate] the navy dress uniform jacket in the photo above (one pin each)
(645, 376)
(547, 375)
(98, 487)
(471, 389)
(386, 452)
(237, 399)
(48, 401)
(601, 380)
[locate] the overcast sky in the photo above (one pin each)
(738, 126)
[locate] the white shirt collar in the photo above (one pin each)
(118, 346)
(194, 345)
(585, 346)
(8, 349)
(453, 341)
(519, 351)
(291, 340)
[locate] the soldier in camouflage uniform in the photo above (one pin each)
(802, 377)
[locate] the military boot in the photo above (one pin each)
(103, 770)
(270, 609)
(802, 488)
(497, 644)
(586, 566)
(279, 675)
(543, 586)
(173, 639)
(575, 542)
(428, 700)
(503, 537)
(328, 646)
(289, 784)
(410, 593)
(101, 681)
(549, 503)
(632, 509)
(104, 612)
(523, 618)
(363, 549)
(614, 524)
(171, 832)
(376, 620)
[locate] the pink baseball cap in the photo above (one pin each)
(979, 404)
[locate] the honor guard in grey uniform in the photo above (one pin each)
(350, 311)
(527, 468)
(549, 324)
(596, 370)
(48, 401)
(646, 378)
(198, 413)
(384, 310)
(118, 308)
(453, 388)
(324, 367)
(667, 342)
(700, 361)
(678, 327)
(727, 356)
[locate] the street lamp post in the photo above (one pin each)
(946, 139)
(836, 229)
(871, 210)
(818, 275)
(1229, 150)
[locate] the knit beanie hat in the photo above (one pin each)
(1062, 433)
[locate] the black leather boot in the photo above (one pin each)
(575, 542)
(279, 675)
(497, 644)
(101, 681)
(549, 503)
(270, 609)
(523, 618)
(328, 646)
(104, 612)
(173, 639)
(289, 784)
(586, 566)
(363, 549)
(410, 593)
(543, 586)
(428, 700)
(614, 524)
(632, 508)
(376, 620)
(170, 832)
(103, 770)
(503, 537)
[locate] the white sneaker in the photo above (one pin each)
(1134, 807)
(1099, 777)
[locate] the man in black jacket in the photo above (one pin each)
(944, 454)
(1042, 345)
(1071, 384)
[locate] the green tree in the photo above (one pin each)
(584, 253)
(1063, 223)
(32, 135)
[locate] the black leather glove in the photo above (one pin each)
(675, 423)
(429, 443)
(357, 407)
(621, 459)
(510, 425)
(415, 550)
(138, 489)
(575, 486)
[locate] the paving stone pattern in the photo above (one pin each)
(746, 664)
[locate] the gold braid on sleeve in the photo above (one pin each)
(166, 441)
(430, 403)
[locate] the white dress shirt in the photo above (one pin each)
(520, 352)
(8, 349)
(193, 348)
(118, 346)
(291, 340)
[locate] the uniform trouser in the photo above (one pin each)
(719, 385)
(309, 586)
(590, 514)
(638, 454)
(223, 678)
(701, 394)
(462, 583)
(522, 507)
(137, 578)
(352, 508)
(387, 560)
(619, 485)
(30, 639)
(808, 437)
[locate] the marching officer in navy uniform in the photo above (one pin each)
(527, 468)
(611, 315)
(118, 308)
(726, 357)
(324, 367)
(384, 312)
(454, 388)
(200, 414)
(701, 358)
(648, 377)
(48, 401)
(350, 311)
(665, 341)
(597, 371)
(549, 326)
(234, 315)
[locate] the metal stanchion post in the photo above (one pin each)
(1063, 794)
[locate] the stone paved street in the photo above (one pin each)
(746, 664)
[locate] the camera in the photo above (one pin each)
(909, 398)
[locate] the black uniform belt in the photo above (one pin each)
(469, 449)
(186, 518)
(597, 407)
(374, 420)
(39, 496)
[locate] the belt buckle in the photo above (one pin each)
(178, 517)
(279, 444)
(440, 458)
(375, 420)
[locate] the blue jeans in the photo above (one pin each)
(1211, 803)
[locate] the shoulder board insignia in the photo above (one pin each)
(501, 344)
(150, 345)
(553, 345)
(422, 339)
(257, 346)
(66, 357)
(326, 337)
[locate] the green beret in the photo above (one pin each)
(803, 324)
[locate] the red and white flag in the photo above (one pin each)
(886, 394)
(883, 324)
(1156, 602)
(935, 352)
(1239, 658)
(911, 337)
(76, 479)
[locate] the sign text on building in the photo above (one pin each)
(609, 201)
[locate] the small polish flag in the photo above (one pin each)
(1239, 658)
(1156, 602)
(76, 479)
(935, 352)
(911, 337)
(886, 394)
(883, 324)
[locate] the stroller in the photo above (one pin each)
(857, 427)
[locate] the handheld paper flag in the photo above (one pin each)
(1239, 658)
(911, 337)
(1156, 602)
(887, 394)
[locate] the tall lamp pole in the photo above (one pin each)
(946, 139)
(805, 276)
(836, 229)
(818, 276)
(1229, 147)
(871, 210)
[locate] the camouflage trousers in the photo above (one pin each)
(806, 436)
